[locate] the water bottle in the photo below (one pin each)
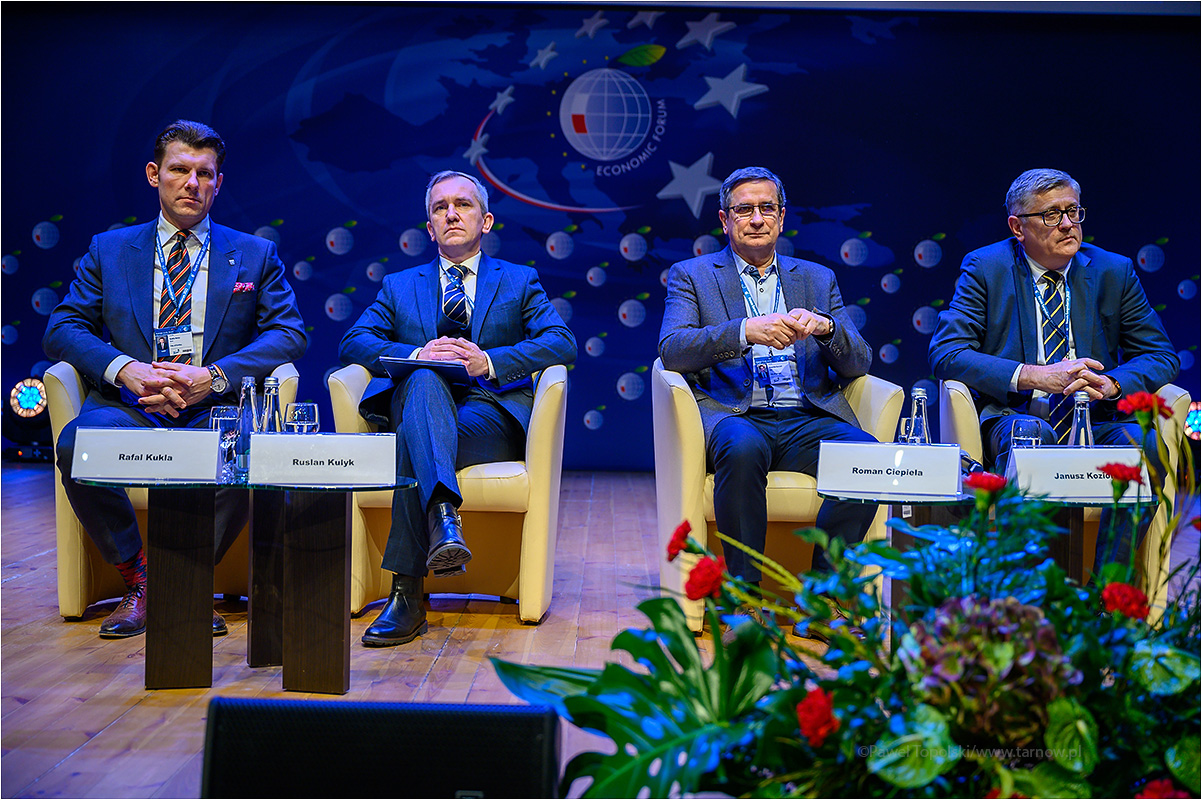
(1082, 432)
(248, 423)
(272, 419)
(920, 433)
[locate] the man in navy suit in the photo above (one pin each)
(173, 352)
(467, 308)
(992, 335)
(766, 344)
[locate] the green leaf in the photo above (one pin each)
(275, 223)
(56, 218)
(350, 223)
(1072, 736)
(1162, 240)
(572, 228)
(55, 284)
(545, 686)
(1162, 669)
(939, 237)
(642, 295)
(568, 295)
(643, 368)
(1050, 780)
(917, 749)
(1115, 571)
(349, 290)
(645, 229)
(642, 56)
(1182, 760)
(865, 234)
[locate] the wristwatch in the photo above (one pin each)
(219, 384)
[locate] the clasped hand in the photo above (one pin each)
(462, 350)
(164, 387)
(781, 330)
(1068, 376)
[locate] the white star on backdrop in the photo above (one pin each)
(647, 18)
(691, 183)
(504, 98)
(544, 55)
(590, 26)
(704, 32)
(476, 149)
(729, 91)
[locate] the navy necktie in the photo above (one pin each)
(1055, 348)
(454, 299)
(170, 314)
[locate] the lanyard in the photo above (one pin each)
(1068, 305)
(186, 291)
(751, 300)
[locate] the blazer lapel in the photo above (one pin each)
(488, 278)
(1085, 304)
(225, 263)
(726, 276)
(427, 299)
(1024, 297)
(140, 277)
(793, 284)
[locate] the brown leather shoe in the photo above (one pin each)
(128, 618)
(219, 626)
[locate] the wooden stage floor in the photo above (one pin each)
(76, 720)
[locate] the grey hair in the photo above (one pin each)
(1033, 182)
(750, 174)
(439, 177)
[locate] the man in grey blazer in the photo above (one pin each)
(1108, 340)
(466, 307)
(174, 348)
(765, 342)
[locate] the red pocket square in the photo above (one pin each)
(239, 288)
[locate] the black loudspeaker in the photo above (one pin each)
(322, 748)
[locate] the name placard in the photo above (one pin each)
(323, 459)
(146, 455)
(878, 468)
(1070, 474)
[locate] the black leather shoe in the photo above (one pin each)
(403, 618)
(128, 618)
(448, 553)
(219, 626)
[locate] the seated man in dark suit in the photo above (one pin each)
(765, 342)
(181, 340)
(494, 318)
(1039, 316)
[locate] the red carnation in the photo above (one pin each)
(680, 538)
(1127, 600)
(1161, 787)
(815, 719)
(1123, 473)
(996, 792)
(706, 578)
(1145, 401)
(985, 482)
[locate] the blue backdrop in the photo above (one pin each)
(604, 133)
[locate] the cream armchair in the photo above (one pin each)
(684, 490)
(83, 576)
(510, 509)
(959, 423)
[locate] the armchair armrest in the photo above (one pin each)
(877, 404)
(65, 391)
(347, 386)
(679, 443)
(958, 419)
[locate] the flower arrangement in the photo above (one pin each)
(1000, 678)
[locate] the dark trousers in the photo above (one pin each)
(1111, 545)
(106, 514)
(439, 429)
(743, 449)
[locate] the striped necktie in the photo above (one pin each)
(170, 314)
(1055, 348)
(454, 300)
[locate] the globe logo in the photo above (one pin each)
(605, 114)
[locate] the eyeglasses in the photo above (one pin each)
(1052, 216)
(746, 210)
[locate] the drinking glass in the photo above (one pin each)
(1026, 433)
(224, 420)
(301, 418)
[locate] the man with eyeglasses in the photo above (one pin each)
(1040, 316)
(761, 337)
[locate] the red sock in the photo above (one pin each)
(133, 572)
